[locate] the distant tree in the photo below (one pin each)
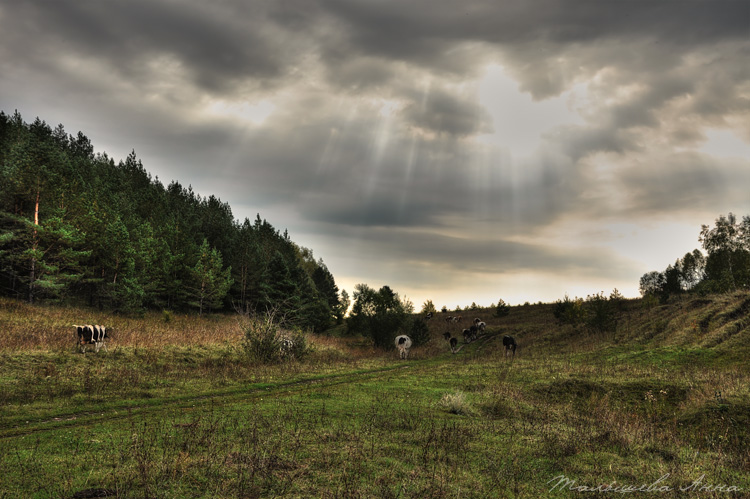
(693, 268)
(428, 307)
(673, 279)
(378, 315)
(343, 307)
(652, 283)
(325, 284)
(502, 309)
(616, 299)
(724, 245)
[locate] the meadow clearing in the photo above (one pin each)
(176, 408)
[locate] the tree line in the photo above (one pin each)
(724, 267)
(78, 227)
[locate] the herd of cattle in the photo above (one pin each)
(403, 342)
(96, 334)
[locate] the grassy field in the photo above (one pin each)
(176, 408)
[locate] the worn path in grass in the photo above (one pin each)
(110, 412)
(12, 426)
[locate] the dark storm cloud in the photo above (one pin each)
(533, 35)
(219, 45)
(442, 112)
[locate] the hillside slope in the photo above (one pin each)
(719, 325)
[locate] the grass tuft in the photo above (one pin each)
(457, 403)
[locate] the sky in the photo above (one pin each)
(457, 150)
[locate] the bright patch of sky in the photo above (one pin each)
(725, 143)
(520, 121)
(255, 112)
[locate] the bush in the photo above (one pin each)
(601, 313)
(418, 332)
(569, 311)
(266, 342)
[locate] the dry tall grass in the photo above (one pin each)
(38, 327)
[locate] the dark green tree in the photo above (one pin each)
(502, 309)
(52, 248)
(210, 282)
(75, 223)
(343, 307)
(379, 315)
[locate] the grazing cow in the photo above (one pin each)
(457, 319)
(467, 335)
(449, 319)
(91, 335)
(453, 342)
(403, 343)
(446, 336)
(481, 326)
(510, 345)
(428, 316)
(473, 332)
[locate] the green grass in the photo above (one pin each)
(151, 418)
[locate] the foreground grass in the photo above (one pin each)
(199, 421)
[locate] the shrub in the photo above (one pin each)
(418, 332)
(266, 342)
(601, 313)
(569, 311)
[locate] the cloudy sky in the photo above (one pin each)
(459, 151)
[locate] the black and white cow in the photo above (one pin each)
(403, 344)
(470, 334)
(91, 335)
(510, 345)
